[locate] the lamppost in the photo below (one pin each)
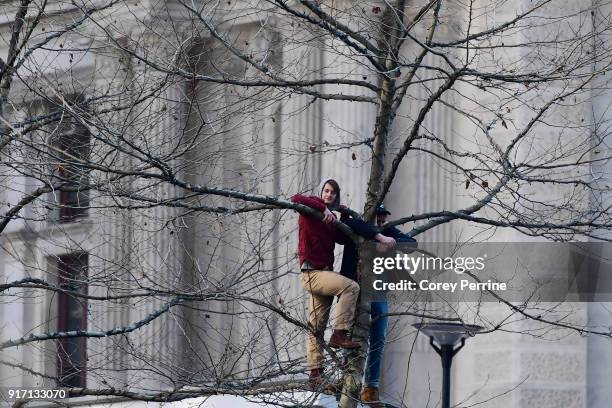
(447, 336)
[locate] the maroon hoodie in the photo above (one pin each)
(316, 239)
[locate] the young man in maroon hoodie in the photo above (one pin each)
(317, 238)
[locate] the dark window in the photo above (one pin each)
(73, 197)
(72, 316)
(70, 141)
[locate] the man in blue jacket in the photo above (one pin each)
(378, 309)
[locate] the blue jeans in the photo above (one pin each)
(376, 346)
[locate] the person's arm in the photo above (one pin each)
(311, 202)
(360, 227)
(385, 240)
(398, 235)
(365, 230)
(308, 202)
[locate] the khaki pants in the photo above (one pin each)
(323, 286)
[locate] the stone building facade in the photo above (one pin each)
(264, 142)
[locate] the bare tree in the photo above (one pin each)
(148, 151)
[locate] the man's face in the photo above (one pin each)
(328, 194)
(381, 219)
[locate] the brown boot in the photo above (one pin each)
(316, 378)
(341, 339)
(371, 397)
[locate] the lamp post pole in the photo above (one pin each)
(446, 352)
(447, 336)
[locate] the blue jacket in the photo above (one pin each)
(350, 256)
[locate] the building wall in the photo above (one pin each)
(278, 149)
